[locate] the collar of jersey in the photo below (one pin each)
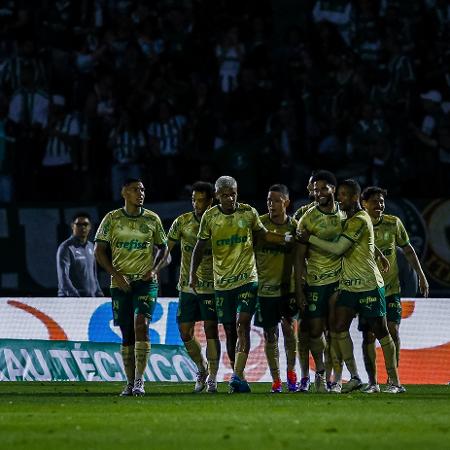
(130, 216)
(379, 222)
(228, 214)
(336, 209)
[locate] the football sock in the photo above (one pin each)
(127, 352)
(290, 346)
(141, 355)
(317, 347)
(388, 347)
(273, 355)
(397, 348)
(239, 365)
(195, 352)
(213, 356)
(303, 353)
(370, 361)
(336, 359)
(345, 343)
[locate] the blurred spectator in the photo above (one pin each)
(75, 262)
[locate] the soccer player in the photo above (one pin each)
(303, 335)
(276, 291)
(124, 246)
(323, 220)
(311, 195)
(230, 227)
(361, 287)
(200, 306)
(389, 234)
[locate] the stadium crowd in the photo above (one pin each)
(95, 91)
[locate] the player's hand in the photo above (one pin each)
(193, 281)
(303, 235)
(385, 265)
(301, 300)
(423, 285)
(151, 275)
(122, 282)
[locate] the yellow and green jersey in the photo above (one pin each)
(359, 268)
(231, 238)
(322, 267)
(302, 210)
(184, 230)
(389, 233)
(275, 263)
(131, 239)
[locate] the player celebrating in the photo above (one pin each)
(361, 285)
(389, 233)
(323, 269)
(230, 227)
(200, 306)
(124, 246)
(276, 297)
(311, 196)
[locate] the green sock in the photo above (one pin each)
(370, 361)
(273, 359)
(397, 349)
(239, 364)
(345, 343)
(303, 353)
(141, 355)
(195, 352)
(213, 356)
(317, 347)
(290, 346)
(390, 362)
(127, 352)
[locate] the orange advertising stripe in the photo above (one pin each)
(55, 332)
(421, 366)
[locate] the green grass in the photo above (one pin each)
(91, 416)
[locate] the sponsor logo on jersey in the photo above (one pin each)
(232, 240)
(132, 245)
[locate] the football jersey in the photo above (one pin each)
(390, 233)
(323, 267)
(359, 268)
(131, 239)
(184, 230)
(300, 211)
(231, 238)
(275, 262)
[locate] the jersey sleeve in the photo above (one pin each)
(353, 229)
(204, 231)
(104, 230)
(160, 234)
(174, 233)
(401, 235)
(257, 225)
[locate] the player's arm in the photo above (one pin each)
(102, 257)
(299, 273)
(98, 289)
(412, 258)
(197, 256)
(63, 270)
(159, 261)
(336, 248)
(272, 237)
(385, 265)
(170, 245)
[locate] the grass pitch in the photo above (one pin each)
(91, 416)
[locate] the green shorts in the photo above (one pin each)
(270, 310)
(394, 308)
(196, 307)
(239, 300)
(318, 298)
(140, 300)
(366, 303)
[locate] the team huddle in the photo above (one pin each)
(312, 273)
